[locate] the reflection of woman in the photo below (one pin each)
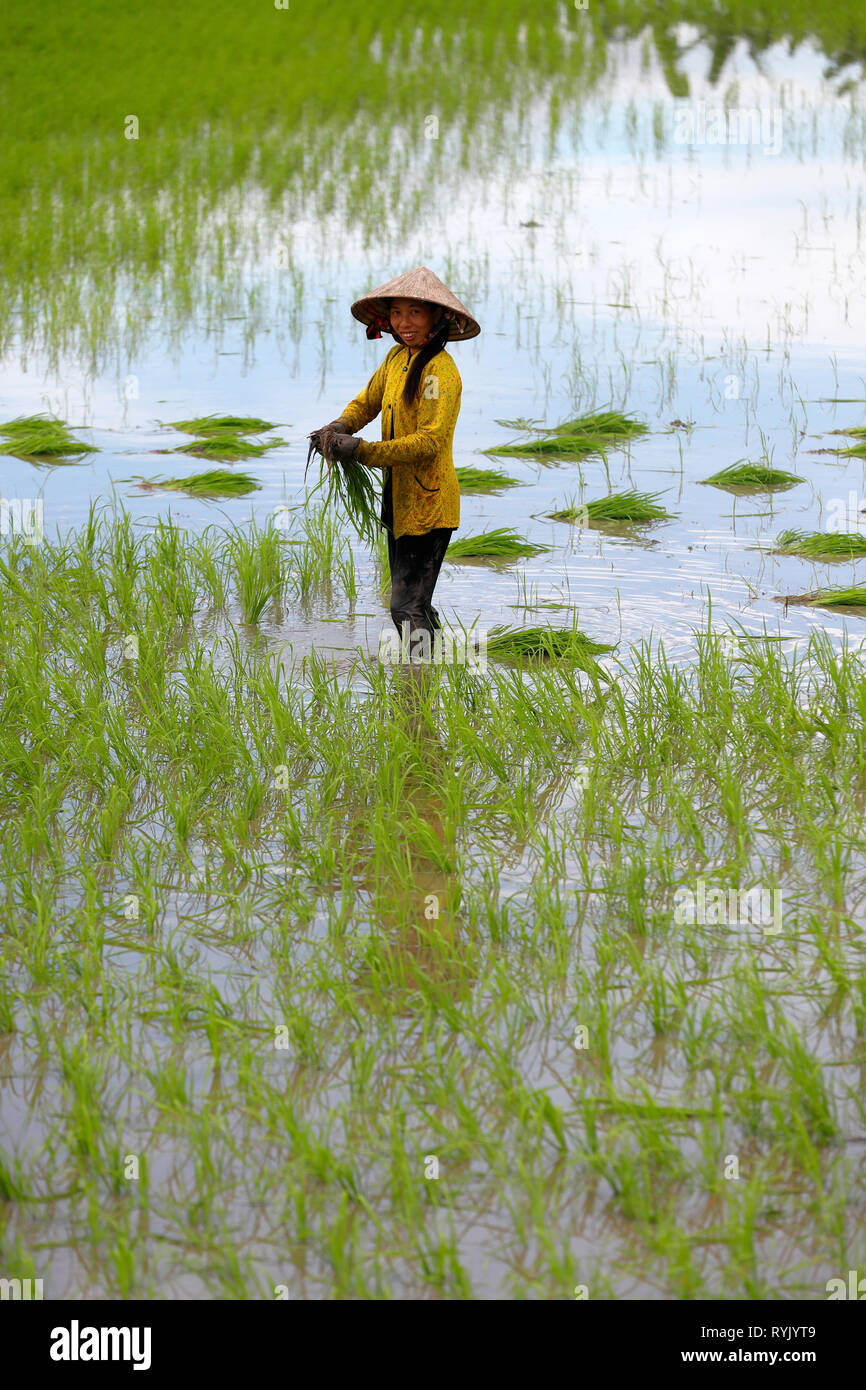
(416, 897)
(417, 389)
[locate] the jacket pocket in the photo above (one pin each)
(421, 485)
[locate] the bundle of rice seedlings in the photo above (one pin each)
(483, 480)
(542, 644)
(223, 424)
(351, 488)
(855, 432)
(226, 445)
(219, 482)
(753, 475)
(40, 436)
(617, 506)
(857, 451)
(853, 597)
(820, 545)
(586, 434)
(504, 543)
(25, 424)
(603, 425)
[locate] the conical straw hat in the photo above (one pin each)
(419, 283)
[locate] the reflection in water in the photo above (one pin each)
(415, 893)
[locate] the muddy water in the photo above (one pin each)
(713, 284)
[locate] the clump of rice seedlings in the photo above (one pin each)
(260, 568)
(542, 644)
(605, 425)
(586, 434)
(521, 423)
(855, 432)
(40, 436)
(226, 445)
(857, 451)
(219, 482)
(26, 424)
(504, 543)
(223, 424)
(821, 545)
(852, 597)
(350, 487)
(631, 506)
(758, 476)
(483, 480)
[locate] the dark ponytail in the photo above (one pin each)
(433, 345)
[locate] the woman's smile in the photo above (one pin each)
(411, 320)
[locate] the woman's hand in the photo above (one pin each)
(318, 436)
(342, 448)
(320, 439)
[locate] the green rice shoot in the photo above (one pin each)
(752, 475)
(628, 506)
(577, 438)
(226, 446)
(350, 488)
(483, 480)
(542, 644)
(218, 482)
(40, 436)
(821, 545)
(223, 424)
(851, 597)
(27, 424)
(502, 544)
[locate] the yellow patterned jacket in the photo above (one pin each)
(416, 439)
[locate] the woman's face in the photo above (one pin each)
(412, 319)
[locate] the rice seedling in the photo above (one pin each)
(580, 437)
(821, 545)
(628, 506)
(857, 451)
(758, 477)
(351, 488)
(483, 480)
(39, 436)
(260, 568)
(223, 424)
(227, 445)
(542, 643)
(26, 424)
(852, 596)
(218, 482)
(504, 543)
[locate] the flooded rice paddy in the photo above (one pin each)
(326, 978)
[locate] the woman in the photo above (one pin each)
(417, 389)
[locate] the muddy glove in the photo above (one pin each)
(318, 436)
(341, 448)
(320, 439)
